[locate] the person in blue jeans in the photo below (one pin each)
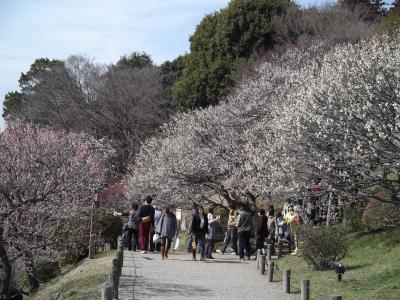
(199, 231)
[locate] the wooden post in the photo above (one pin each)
(269, 246)
(280, 244)
(259, 253)
(121, 261)
(115, 277)
(92, 215)
(270, 271)
(118, 257)
(336, 297)
(106, 293)
(286, 281)
(262, 264)
(305, 289)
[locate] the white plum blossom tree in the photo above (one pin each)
(326, 113)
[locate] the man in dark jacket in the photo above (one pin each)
(145, 217)
(262, 229)
(245, 227)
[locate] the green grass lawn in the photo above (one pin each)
(373, 270)
(82, 282)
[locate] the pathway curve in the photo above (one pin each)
(146, 276)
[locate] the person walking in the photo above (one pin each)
(262, 229)
(132, 226)
(145, 217)
(167, 228)
(154, 247)
(213, 224)
(199, 231)
(232, 231)
(245, 227)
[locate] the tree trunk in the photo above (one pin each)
(31, 271)
(6, 267)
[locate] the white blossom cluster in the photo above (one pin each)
(326, 113)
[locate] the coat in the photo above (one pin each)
(167, 226)
(262, 229)
(196, 229)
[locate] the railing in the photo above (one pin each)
(110, 287)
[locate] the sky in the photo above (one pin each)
(103, 30)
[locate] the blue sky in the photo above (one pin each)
(101, 29)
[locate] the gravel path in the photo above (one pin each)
(146, 276)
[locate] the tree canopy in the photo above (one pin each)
(221, 43)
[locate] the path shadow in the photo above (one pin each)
(168, 290)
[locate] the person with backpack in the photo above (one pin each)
(145, 217)
(167, 229)
(199, 231)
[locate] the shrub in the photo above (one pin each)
(46, 270)
(378, 215)
(108, 225)
(321, 245)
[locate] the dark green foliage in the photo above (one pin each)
(135, 60)
(220, 44)
(13, 102)
(46, 270)
(108, 225)
(321, 245)
(392, 19)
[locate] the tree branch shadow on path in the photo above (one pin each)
(144, 290)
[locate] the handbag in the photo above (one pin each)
(146, 219)
(156, 238)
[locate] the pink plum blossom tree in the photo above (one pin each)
(47, 179)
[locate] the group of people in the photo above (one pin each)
(144, 223)
(271, 228)
(150, 228)
(203, 232)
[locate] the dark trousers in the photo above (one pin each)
(231, 237)
(144, 232)
(200, 243)
(244, 243)
(210, 247)
(135, 240)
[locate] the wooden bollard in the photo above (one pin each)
(286, 281)
(269, 246)
(280, 244)
(106, 293)
(118, 257)
(305, 289)
(259, 253)
(336, 297)
(115, 277)
(270, 271)
(262, 264)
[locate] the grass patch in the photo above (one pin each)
(373, 270)
(82, 282)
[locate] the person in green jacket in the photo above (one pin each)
(245, 227)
